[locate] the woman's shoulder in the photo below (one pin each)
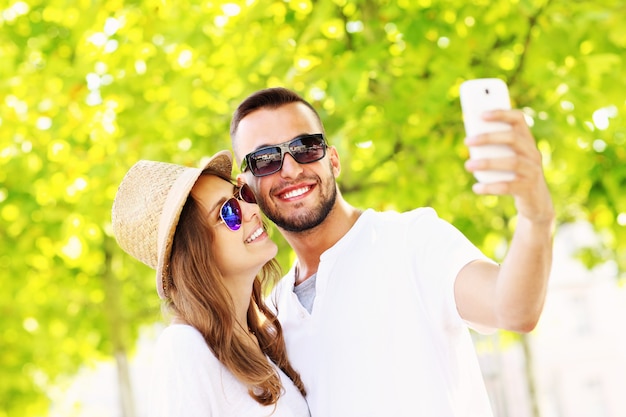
(182, 340)
(175, 332)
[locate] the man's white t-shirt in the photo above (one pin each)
(384, 337)
(189, 381)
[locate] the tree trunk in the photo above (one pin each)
(116, 324)
(124, 383)
(530, 375)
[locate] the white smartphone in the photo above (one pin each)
(478, 96)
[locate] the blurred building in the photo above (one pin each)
(575, 364)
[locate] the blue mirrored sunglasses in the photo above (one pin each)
(230, 212)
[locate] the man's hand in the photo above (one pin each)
(529, 188)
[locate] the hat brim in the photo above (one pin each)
(221, 163)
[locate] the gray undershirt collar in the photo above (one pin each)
(305, 291)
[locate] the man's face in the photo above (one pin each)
(299, 196)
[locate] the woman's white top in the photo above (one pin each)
(189, 381)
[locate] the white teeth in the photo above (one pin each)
(296, 192)
(254, 235)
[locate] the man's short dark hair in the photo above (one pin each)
(272, 98)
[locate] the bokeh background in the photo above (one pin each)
(89, 87)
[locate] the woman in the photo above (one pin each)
(223, 353)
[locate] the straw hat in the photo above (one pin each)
(147, 207)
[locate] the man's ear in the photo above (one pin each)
(335, 163)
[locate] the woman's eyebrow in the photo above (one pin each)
(221, 201)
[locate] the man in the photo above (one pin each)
(376, 308)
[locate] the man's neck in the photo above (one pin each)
(310, 245)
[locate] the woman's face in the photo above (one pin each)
(241, 252)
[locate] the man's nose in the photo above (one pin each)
(291, 168)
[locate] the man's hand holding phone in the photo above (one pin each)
(504, 157)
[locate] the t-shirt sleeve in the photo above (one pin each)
(442, 251)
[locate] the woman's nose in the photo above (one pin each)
(249, 210)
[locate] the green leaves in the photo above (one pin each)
(88, 88)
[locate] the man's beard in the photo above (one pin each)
(304, 221)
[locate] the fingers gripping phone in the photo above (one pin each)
(478, 96)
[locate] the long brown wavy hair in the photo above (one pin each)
(198, 297)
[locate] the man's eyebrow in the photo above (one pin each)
(269, 145)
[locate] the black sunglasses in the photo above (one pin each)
(304, 149)
(230, 212)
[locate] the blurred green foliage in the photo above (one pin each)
(88, 87)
